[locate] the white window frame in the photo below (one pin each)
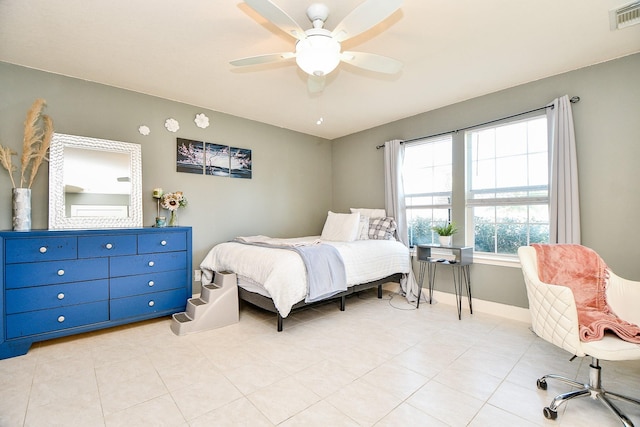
(470, 202)
(446, 138)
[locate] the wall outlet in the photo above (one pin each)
(197, 275)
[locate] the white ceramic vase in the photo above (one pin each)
(21, 198)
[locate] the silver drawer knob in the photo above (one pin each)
(151, 283)
(60, 295)
(163, 243)
(151, 303)
(60, 319)
(151, 263)
(61, 272)
(43, 250)
(108, 246)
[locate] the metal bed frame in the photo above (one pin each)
(266, 303)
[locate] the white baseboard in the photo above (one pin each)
(481, 306)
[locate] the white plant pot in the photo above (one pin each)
(445, 240)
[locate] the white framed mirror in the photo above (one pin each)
(94, 183)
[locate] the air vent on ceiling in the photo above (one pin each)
(625, 16)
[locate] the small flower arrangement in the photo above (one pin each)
(172, 202)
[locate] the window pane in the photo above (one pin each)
(427, 176)
(483, 174)
(510, 237)
(511, 139)
(507, 171)
(511, 171)
(419, 223)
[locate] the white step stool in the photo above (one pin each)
(216, 307)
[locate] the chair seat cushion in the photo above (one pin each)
(610, 347)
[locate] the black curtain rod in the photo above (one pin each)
(573, 100)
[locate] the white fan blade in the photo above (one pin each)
(363, 17)
(262, 59)
(278, 17)
(315, 84)
(372, 62)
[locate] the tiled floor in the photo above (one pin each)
(380, 362)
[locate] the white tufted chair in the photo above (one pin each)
(555, 319)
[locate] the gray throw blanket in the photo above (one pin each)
(325, 271)
(326, 275)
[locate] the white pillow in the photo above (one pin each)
(341, 227)
(363, 228)
(371, 213)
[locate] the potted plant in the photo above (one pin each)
(445, 232)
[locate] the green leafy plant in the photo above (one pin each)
(449, 229)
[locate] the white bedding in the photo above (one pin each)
(282, 273)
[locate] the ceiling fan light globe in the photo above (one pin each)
(318, 55)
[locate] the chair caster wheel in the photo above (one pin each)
(541, 384)
(549, 413)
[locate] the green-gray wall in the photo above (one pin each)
(297, 178)
(607, 127)
(289, 195)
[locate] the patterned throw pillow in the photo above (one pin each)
(382, 228)
(363, 228)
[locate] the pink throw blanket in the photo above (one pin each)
(582, 270)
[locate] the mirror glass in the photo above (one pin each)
(94, 183)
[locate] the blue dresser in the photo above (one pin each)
(58, 283)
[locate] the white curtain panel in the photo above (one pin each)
(395, 206)
(394, 187)
(564, 203)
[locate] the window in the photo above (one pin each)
(507, 186)
(427, 175)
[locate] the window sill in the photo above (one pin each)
(502, 261)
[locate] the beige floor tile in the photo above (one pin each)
(158, 412)
(255, 376)
(450, 406)
(396, 380)
(321, 414)
(407, 415)
(490, 416)
(125, 392)
(239, 413)
(381, 362)
(209, 392)
(325, 378)
(363, 402)
(283, 399)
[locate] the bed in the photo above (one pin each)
(271, 274)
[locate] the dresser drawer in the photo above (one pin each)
(54, 272)
(145, 264)
(106, 245)
(40, 249)
(55, 319)
(147, 283)
(147, 304)
(162, 242)
(52, 296)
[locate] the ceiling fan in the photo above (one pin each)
(318, 50)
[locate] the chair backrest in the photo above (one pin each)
(554, 317)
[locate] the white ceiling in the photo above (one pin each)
(452, 50)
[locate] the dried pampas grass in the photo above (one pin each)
(5, 160)
(38, 130)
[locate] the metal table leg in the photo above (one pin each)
(432, 279)
(421, 281)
